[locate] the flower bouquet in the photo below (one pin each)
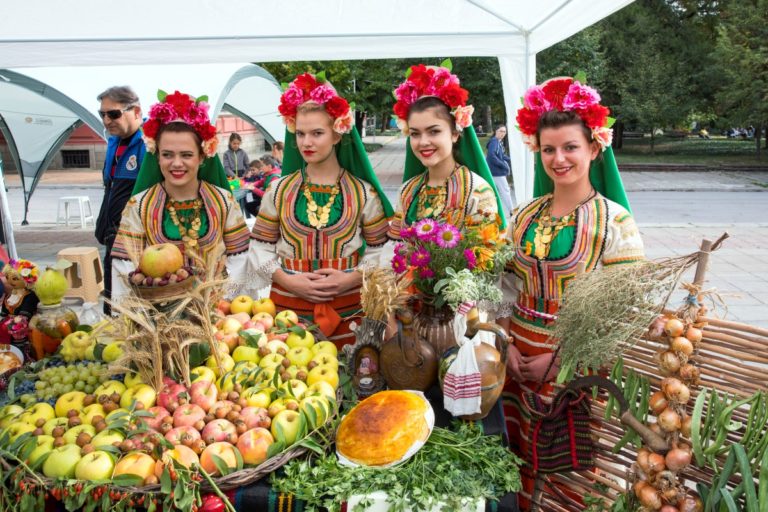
(451, 266)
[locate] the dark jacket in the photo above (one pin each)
(498, 161)
(235, 160)
(118, 188)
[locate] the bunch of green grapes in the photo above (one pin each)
(54, 381)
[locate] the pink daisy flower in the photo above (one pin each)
(471, 258)
(447, 236)
(407, 233)
(421, 257)
(425, 229)
(398, 264)
(426, 273)
(399, 248)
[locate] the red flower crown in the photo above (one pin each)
(182, 108)
(564, 95)
(25, 268)
(315, 88)
(437, 81)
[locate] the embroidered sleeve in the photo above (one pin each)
(398, 219)
(623, 243)
(375, 221)
(266, 229)
(236, 236)
(483, 207)
(131, 238)
(262, 254)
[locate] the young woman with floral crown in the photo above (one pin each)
(579, 218)
(181, 195)
(325, 218)
(446, 177)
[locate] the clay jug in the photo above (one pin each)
(435, 324)
(407, 361)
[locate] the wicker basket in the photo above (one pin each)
(159, 293)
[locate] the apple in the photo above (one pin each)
(90, 412)
(277, 346)
(158, 413)
(325, 346)
(170, 393)
(272, 335)
(139, 393)
(219, 430)
(51, 287)
(321, 388)
(120, 411)
(37, 411)
(241, 304)
(265, 317)
(264, 305)
(187, 415)
(97, 465)
(135, 463)
(227, 363)
(62, 461)
(184, 455)
(323, 372)
(286, 422)
(69, 401)
(295, 388)
(295, 339)
(160, 259)
(43, 445)
(324, 358)
(255, 417)
(256, 397)
(11, 409)
(200, 373)
(111, 386)
(246, 354)
(18, 429)
(223, 450)
(70, 436)
(132, 379)
(204, 394)
(53, 423)
(271, 361)
(299, 356)
(286, 318)
(223, 306)
(254, 444)
(281, 404)
(231, 341)
(107, 438)
(221, 405)
(320, 405)
(175, 434)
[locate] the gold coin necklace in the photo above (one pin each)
(548, 227)
(432, 205)
(319, 216)
(189, 235)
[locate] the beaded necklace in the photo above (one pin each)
(189, 228)
(319, 216)
(548, 227)
(432, 205)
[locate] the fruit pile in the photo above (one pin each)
(59, 378)
(160, 265)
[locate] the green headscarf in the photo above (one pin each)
(211, 171)
(603, 174)
(471, 155)
(351, 155)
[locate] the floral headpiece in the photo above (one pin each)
(25, 268)
(317, 89)
(180, 107)
(437, 81)
(564, 94)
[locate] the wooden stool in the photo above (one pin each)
(85, 276)
(81, 202)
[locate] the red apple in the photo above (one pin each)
(159, 413)
(223, 306)
(203, 394)
(225, 451)
(160, 259)
(187, 415)
(255, 417)
(265, 318)
(170, 393)
(174, 436)
(219, 430)
(254, 444)
(221, 408)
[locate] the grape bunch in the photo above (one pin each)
(54, 381)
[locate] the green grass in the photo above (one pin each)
(691, 150)
(370, 147)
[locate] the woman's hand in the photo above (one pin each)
(311, 286)
(514, 360)
(533, 367)
(339, 282)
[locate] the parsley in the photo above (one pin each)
(453, 465)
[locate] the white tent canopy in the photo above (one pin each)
(93, 33)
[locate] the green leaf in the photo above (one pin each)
(447, 64)
(311, 416)
(126, 480)
(224, 470)
(251, 340)
(279, 433)
(204, 98)
(762, 500)
(161, 95)
(312, 445)
(284, 85)
(84, 328)
(320, 77)
(166, 484)
(275, 448)
(729, 501)
(580, 77)
(239, 458)
(408, 72)
(746, 474)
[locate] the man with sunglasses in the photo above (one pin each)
(121, 114)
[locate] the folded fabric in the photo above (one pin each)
(461, 385)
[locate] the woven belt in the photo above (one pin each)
(301, 265)
(537, 307)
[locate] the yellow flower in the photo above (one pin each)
(484, 257)
(489, 233)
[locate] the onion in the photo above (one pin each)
(670, 495)
(675, 391)
(658, 402)
(685, 425)
(677, 459)
(669, 363)
(690, 503)
(681, 345)
(656, 462)
(642, 460)
(648, 497)
(657, 327)
(674, 327)
(669, 420)
(689, 373)
(694, 335)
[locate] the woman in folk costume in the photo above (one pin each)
(446, 177)
(181, 195)
(579, 217)
(327, 216)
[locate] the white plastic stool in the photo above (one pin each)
(81, 201)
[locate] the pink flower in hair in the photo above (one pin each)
(407, 92)
(530, 141)
(293, 95)
(441, 78)
(290, 123)
(603, 135)
(536, 100)
(463, 116)
(343, 124)
(321, 94)
(163, 112)
(580, 97)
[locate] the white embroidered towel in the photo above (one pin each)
(461, 386)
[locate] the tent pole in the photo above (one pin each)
(5, 211)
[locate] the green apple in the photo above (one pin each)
(320, 405)
(297, 340)
(62, 461)
(132, 379)
(245, 353)
(202, 373)
(281, 404)
(325, 346)
(139, 393)
(294, 388)
(53, 423)
(18, 429)
(321, 388)
(277, 346)
(11, 409)
(111, 386)
(227, 363)
(323, 372)
(70, 436)
(97, 465)
(271, 361)
(286, 318)
(43, 445)
(90, 412)
(68, 402)
(78, 339)
(11, 416)
(286, 422)
(258, 397)
(299, 356)
(113, 351)
(160, 259)
(37, 411)
(324, 358)
(241, 304)
(107, 438)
